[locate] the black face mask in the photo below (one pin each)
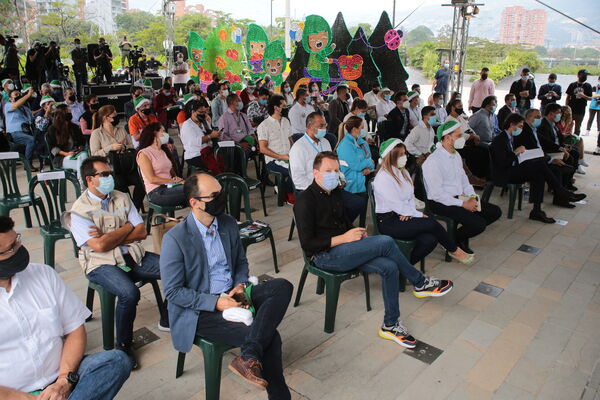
(375, 91)
(16, 263)
(484, 76)
(94, 107)
(582, 78)
(217, 205)
(459, 110)
(147, 111)
(285, 112)
(72, 98)
(69, 116)
(115, 120)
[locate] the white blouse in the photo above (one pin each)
(390, 196)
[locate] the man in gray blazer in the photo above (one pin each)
(202, 266)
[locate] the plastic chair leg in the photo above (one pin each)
(149, 220)
(292, 226)
(89, 302)
(332, 294)
(512, 197)
(300, 286)
(213, 360)
(402, 284)
(158, 295)
(107, 301)
(487, 192)
(180, 364)
(320, 285)
(262, 198)
(367, 290)
(423, 265)
(520, 203)
(272, 240)
(49, 246)
(27, 213)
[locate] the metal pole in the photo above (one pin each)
(394, 14)
(271, 27)
(288, 40)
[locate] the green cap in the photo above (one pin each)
(148, 83)
(58, 104)
(139, 101)
(188, 97)
(55, 83)
(25, 88)
(386, 147)
(446, 129)
(45, 99)
(5, 81)
(411, 95)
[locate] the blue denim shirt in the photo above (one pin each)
(219, 270)
(355, 156)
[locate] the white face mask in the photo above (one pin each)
(406, 104)
(164, 139)
(225, 93)
(440, 102)
(401, 163)
(459, 143)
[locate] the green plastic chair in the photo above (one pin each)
(51, 206)
(237, 191)
(451, 225)
(265, 174)
(11, 195)
(107, 307)
(229, 155)
(213, 359)
(405, 246)
(331, 282)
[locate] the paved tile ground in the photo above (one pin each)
(537, 339)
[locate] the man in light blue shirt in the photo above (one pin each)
(482, 121)
(16, 113)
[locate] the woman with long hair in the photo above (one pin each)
(110, 140)
(65, 140)
(288, 95)
(397, 215)
(90, 105)
(565, 126)
(197, 136)
(157, 166)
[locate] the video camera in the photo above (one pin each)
(135, 55)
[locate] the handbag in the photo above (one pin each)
(123, 162)
(159, 229)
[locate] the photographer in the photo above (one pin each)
(11, 58)
(79, 57)
(153, 65)
(36, 64)
(103, 57)
(52, 58)
(18, 121)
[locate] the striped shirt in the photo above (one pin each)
(219, 270)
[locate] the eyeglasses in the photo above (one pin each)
(15, 245)
(104, 174)
(210, 196)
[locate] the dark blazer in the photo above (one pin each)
(517, 86)
(502, 114)
(77, 143)
(503, 158)
(547, 136)
(184, 271)
(398, 123)
(337, 110)
(526, 138)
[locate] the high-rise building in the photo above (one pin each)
(519, 25)
(103, 13)
(182, 9)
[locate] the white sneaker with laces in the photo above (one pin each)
(580, 170)
(585, 133)
(583, 163)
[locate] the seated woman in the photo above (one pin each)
(65, 140)
(565, 126)
(110, 140)
(90, 105)
(197, 136)
(163, 187)
(397, 215)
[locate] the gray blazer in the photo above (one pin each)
(184, 271)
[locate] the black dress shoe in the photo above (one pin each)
(129, 351)
(572, 188)
(563, 204)
(577, 197)
(541, 216)
(465, 248)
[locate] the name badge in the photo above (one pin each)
(238, 130)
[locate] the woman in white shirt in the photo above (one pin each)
(288, 95)
(397, 215)
(196, 136)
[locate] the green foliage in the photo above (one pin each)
(418, 35)
(151, 38)
(417, 54)
(199, 23)
(513, 62)
(135, 21)
(570, 69)
(367, 28)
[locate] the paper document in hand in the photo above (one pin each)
(530, 155)
(557, 156)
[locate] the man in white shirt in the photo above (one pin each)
(445, 181)
(420, 140)
(300, 111)
(180, 75)
(43, 334)
(384, 105)
(275, 141)
(75, 106)
(414, 110)
(372, 99)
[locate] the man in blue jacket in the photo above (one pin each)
(203, 265)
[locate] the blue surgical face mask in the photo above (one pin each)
(432, 120)
(517, 132)
(239, 106)
(262, 102)
(537, 122)
(387, 96)
(330, 180)
(513, 103)
(107, 185)
(360, 115)
(363, 133)
(494, 109)
(321, 133)
(557, 117)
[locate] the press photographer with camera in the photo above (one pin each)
(35, 66)
(18, 119)
(103, 57)
(10, 62)
(52, 58)
(79, 57)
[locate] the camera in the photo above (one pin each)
(135, 55)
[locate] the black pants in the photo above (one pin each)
(427, 232)
(122, 183)
(198, 163)
(81, 79)
(594, 113)
(477, 159)
(472, 223)
(537, 173)
(259, 340)
(106, 73)
(564, 174)
(475, 109)
(178, 87)
(168, 196)
(578, 118)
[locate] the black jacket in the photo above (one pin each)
(502, 114)
(547, 136)
(517, 87)
(338, 109)
(76, 143)
(397, 126)
(526, 138)
(503, 158)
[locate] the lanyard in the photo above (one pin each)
(313, 144)
(237, 121)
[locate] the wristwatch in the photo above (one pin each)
(71, 377)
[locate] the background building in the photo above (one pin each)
(103, 13)
(519, 25)
(182, 9)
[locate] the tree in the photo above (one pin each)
(199, 23)
(418, 35)
(367, 29)
(135, 21)
(445, 32)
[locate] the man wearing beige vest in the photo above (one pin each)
(108, 229)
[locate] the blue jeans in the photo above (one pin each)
(101, 375)
(122, 285)
(259, 340)
(285, 172)
(22, 138)
(378, 254)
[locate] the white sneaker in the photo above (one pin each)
(583, 163)
(580, 170)
(597, 151)
(163, 328)
(585, 133)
